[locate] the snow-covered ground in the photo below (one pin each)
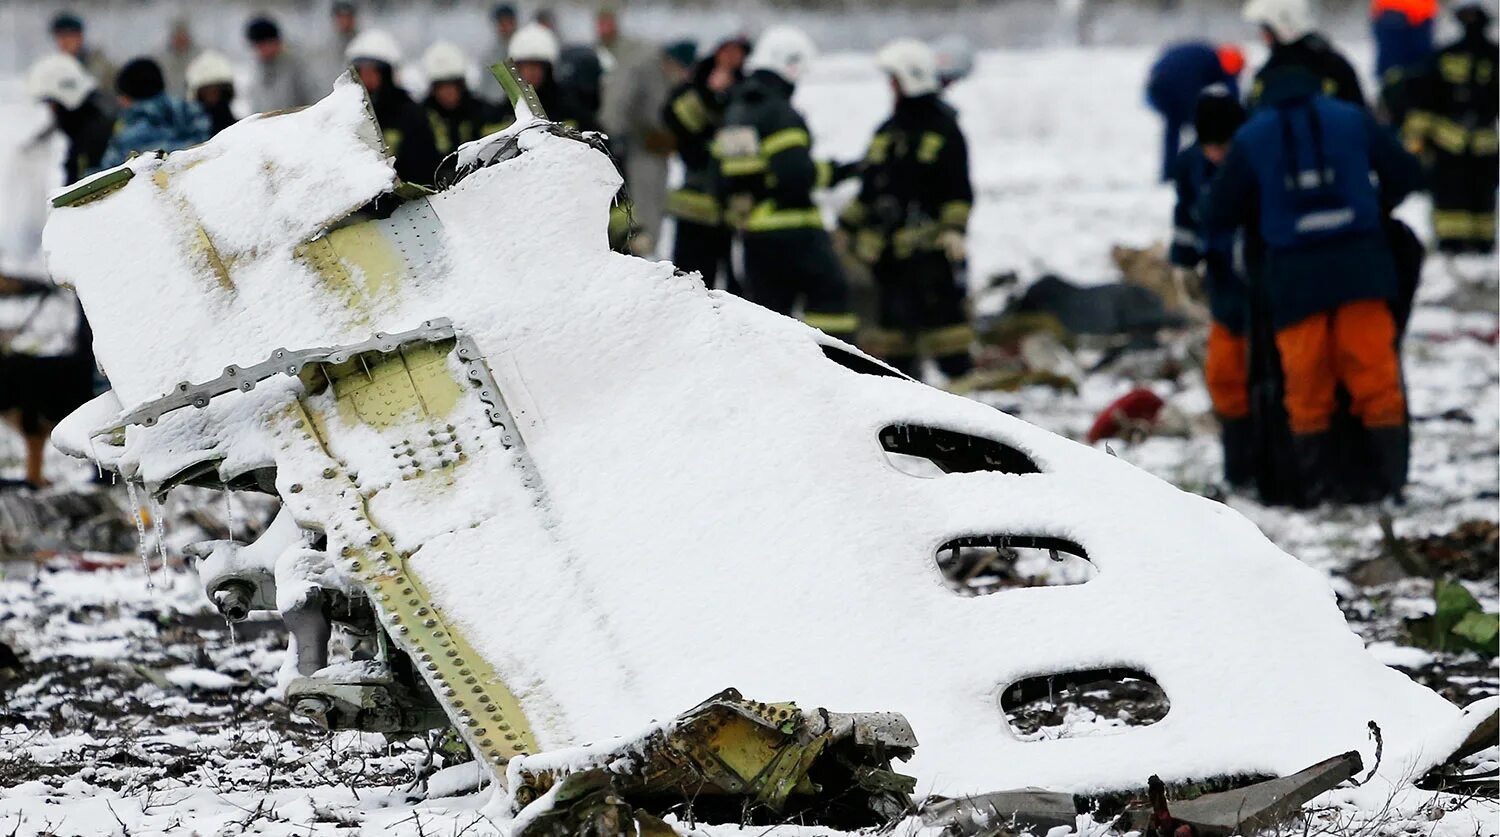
(143, 715)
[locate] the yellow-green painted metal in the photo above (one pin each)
(93, 189)
(414, 386)
(517, 89)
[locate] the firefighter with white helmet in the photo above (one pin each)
(62, 83)
(535, 50)
(374, 54)
(210, 83)
(1289, 30)
(768, 176)
(456, 115)
(910, 219)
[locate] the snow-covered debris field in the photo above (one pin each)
(1247, 643)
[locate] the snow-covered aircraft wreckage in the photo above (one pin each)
(551, 493)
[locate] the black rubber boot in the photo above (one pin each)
(1393, 447)
(1237, 436)
(1314, 467)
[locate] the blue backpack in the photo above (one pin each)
(1313, 166)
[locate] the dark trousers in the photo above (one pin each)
(1463, 201)
(787, 267)
(922, 312)
(705, 249)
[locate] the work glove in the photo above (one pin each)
(868, 245)
(955, 245)
(737, 210)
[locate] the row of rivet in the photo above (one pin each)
(447, 661)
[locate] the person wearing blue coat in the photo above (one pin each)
(1304, 161)
(1180, 74)
(151, 120)
(1402, 30)
(1226, 364)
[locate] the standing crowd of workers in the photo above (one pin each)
(1284, 193)
(1284, 201)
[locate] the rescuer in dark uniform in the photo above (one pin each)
(66, 87)
(1226, 362)
(456, 115)
(403, 122)
(1453, 123)
(910, 219)
(768, 176)
(1287, 26)
(694, 113)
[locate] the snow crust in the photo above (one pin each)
(714, 506)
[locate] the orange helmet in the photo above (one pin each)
(1231, 59)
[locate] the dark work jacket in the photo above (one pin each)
(1456, 98)
(1191, 246)
(915, 180)
(220, 115)
(1317, 56)
(564, 105)
(1319, 216)
(765, 154)
(693, 114)
(407, 134)
(472, 119)
(88, 129)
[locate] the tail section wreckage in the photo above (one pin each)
(551, 492)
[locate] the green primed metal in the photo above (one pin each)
(96, 188)
(517, 88)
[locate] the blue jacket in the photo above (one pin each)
(1177, 78)
(1227, 291)
(158, 123)
(1305, 160)
(1399, 42)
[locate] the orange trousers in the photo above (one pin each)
(1353, 345)
(1226, 371)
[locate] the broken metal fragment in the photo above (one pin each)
(1030, 809)
(1240, 811)
(1254, 807)
(730, 757)
(1463, 773)
(364, 696)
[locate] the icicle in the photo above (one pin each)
(94, 455)
(229, 512)
(233, 640)
(140, 529)
(159, 527)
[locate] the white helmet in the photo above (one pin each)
(912, 64)
(209, 67)
(445, 61)
(1288, 20)
(534, 42)
(60, 78)
(784, 50)
(955, 57)
(374, 45)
